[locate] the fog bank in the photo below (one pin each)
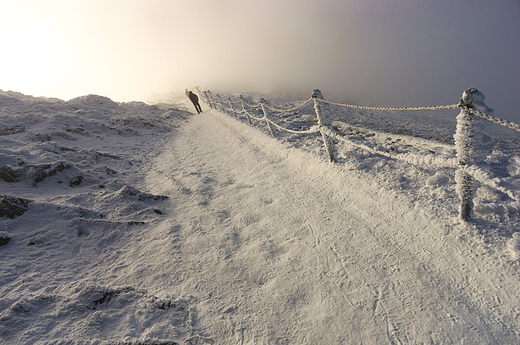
(385, 53)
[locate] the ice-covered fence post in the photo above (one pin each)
(325, 118)
(209, 99)
(266, 116)
(221, 104)
(204, 96)
(201, 94)
(472, 147)
(231, 107)
(244, 110)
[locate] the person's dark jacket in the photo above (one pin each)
(193, 97)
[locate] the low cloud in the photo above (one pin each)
(397, 53)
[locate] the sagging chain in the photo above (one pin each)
(365, 107)
(501, 122)
(259, 104)
(287, 110)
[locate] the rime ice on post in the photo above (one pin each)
(325, 118)
(221, 105)
(244, 109)
(266, 113)
(231, 107)
(209, 99)
(201, 95)
(472, 146)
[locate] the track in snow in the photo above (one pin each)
(278, 246)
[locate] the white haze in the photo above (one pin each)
(395, 53)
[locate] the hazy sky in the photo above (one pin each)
(377, 52)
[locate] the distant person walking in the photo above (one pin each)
(195, 100)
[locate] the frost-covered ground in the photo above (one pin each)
(137, 224)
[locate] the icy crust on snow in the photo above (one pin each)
(78, 147)
(77, 311)
(39, 135)
(69, 168)
(514, 245)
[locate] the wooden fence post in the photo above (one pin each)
(472, 148)
(201, 95)
(232, 109)
(325, 118)
(209, 97)
(266, 112)
(221, 104)
(244, 110)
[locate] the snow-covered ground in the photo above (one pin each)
(145, 224)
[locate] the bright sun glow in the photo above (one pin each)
(36, 56)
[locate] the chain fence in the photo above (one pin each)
(365, 107)
(496, 120)
(466, 163)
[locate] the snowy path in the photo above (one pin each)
(277, 246)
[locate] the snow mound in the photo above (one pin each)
(93, 101)
(111, 314)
